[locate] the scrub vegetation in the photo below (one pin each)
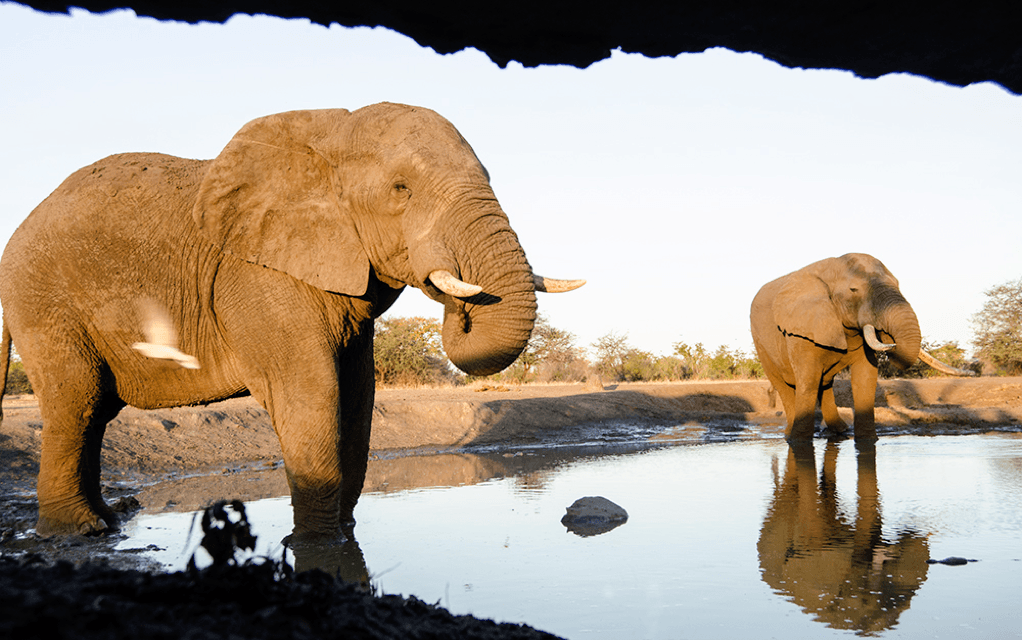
(409, 353)
(998, 328)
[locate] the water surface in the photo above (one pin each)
(735, 539)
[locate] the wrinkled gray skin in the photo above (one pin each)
(807, 327)
(271, 262)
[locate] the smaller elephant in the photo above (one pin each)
(833, 315)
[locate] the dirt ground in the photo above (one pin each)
(53, 582)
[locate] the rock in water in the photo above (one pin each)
(953, 561)
(593, 515)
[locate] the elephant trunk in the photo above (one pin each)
(486, 332)
(896, 318)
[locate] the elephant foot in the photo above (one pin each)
(75, 516)
(838, 431)
(801, 436)
(866, 442)
(866, 433)
(339, 555)
(47, 527)
(306, 537)
(835, 427)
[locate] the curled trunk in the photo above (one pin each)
(486, 332)
(897, 319)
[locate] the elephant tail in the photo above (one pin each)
(5, 363)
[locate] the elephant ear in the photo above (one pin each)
(271, 198)
(803, 308)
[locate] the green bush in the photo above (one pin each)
(637, 366)
(409, 352)
(616, 360)
(998, 329)
(17, 380)
(550, 356)
(722, 364)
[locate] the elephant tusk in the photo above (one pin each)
(550, 285)
(943, 368)
(452, 286)
(870, 333)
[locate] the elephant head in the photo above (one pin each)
(332, 197)
(856, 292)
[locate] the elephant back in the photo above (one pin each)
(123, 219)
(112, 196)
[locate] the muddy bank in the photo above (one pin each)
(145, 446)
(180, 459)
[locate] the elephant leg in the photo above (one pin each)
(802, 424)
(75, 411)
(787, 395)
(321, 407)
(780, 387)
(357, 384)
(864, 388)
(357, 387)
(307, 427)
(828, 406)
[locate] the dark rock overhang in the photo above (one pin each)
(956, 42)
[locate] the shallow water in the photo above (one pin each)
(723, 540)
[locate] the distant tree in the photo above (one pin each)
(998, 328)
(748, 366)
(669, 367)
(722, 364)
(693, 360)
(409, 351)
(559, 358)
(611, 350)
(551, 344)
(638, 366)
(550, 356)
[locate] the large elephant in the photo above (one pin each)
(270, 262)
(833, 315)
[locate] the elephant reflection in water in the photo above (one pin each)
(344, 558)
(838, 569)
(340, 558)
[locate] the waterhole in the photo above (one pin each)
(723, 540)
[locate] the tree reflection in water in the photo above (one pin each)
(838, 568)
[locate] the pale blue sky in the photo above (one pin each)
(676, 186)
